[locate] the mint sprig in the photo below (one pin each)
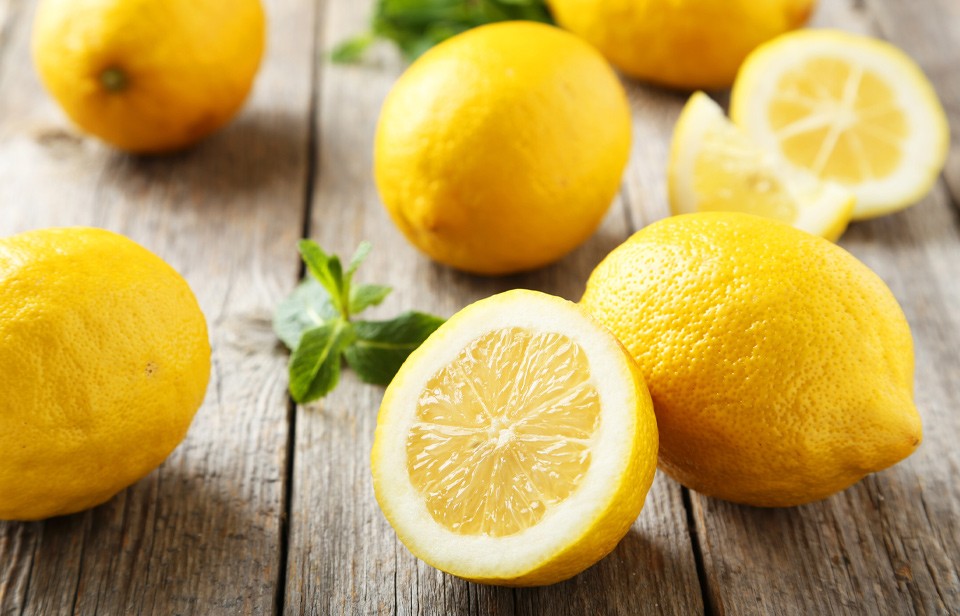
(316, 323)
(417, 25)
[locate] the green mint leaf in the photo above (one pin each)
(314, 322)
(352, 49)
(365, 295)
(318, 264)
(347, 292)
(336, 272)
(327, 270)
(315, 365)
(358, 257)
(381, 347)
(416, 25)
(307, 307)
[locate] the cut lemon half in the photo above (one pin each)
(715, 167)
(846, 108)
(517, 444)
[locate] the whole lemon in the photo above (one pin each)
(689, 44)
(104, 359)
(149, 76)
(780, 367)
(501, 149)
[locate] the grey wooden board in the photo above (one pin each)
(269, 508)
(202, 534)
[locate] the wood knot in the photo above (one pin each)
(904, 573)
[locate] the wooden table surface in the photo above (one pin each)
(267, 507)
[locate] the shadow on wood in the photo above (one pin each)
(256, 152)
(169, 542)
(621, 583)
(565, 278)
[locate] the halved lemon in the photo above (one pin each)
(517, 444)
(846, 108)
(715, 167)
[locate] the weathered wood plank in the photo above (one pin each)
(655, 111)
(931, 35)
(890, 544)
(344, 557)
(202, 534)
(7, 10)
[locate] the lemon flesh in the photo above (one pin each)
(517, 444)
(845, 108)
(715, 166)
(491, 456)
(845, 125)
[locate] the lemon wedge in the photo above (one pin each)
(715, 166)
(846, 108)
(517, 444)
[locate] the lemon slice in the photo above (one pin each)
(714, 166)
(517, 444)
(845, 108)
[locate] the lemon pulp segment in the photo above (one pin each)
(503, 432)
(838, 119)
(747, 183)
(715, 166)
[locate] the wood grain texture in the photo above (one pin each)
(930, 35)
(202, 534)
(263, 510)
(343, 556)
(888, 545)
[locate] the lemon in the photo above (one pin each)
(714, 166)
(845, 108)
(517, 444)
(104, 360)
(501, 149)
(780, 367)
(689, 44)
(149, 76)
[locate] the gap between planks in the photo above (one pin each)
(312, 167)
